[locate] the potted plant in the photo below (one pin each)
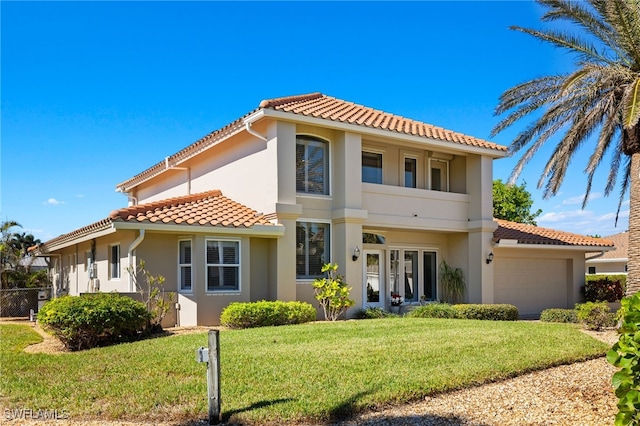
(396, 301)
(452, 282)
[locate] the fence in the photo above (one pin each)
(18, 302)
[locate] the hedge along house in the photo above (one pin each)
(322, 180)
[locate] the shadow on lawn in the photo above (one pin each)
(345, 414)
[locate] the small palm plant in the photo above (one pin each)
(452, 282)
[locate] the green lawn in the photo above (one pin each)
(319, 371)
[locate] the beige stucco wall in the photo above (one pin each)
(607, 266)
(262, 175)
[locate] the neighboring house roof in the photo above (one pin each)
(34, 262)
(323, 107)
(620, 253)
(205, 210)
(522, 233)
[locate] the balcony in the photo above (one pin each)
(411, 208)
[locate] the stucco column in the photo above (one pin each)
(347, 235)
(480, 228)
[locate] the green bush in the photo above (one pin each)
(625, 354)
(88, 321)
(595, 315)
(266, 313)
(604, 289)
(434, 310)
(493, 312)
(559, 315)
(372, 313)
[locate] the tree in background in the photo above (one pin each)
(597, 104)
(513, 202)
(15, 262)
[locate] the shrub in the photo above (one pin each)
(559, 315)
(434, 310)
(266, 313)
(88, 321)
(595, 315)
(332, 293)
(493, 312)
(625, 354)
(158, 302)
(603, 289)
(372, 313)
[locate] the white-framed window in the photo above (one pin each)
(413, 274)
(114, 262)
(371, 167)
(438, 175)
(312, 248)
(410, 172)
(592, 270)
(223, 265)
(312, 165)
(185, 277)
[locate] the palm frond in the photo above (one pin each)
(631, 104)
(624, 16)
(567, 41)
(585, 17)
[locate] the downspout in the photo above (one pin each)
(132, 266)
(247, 125)
(188, 170)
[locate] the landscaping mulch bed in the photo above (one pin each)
(575, 394)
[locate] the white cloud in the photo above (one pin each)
(79, 195)
(578, 199)
(53, 202)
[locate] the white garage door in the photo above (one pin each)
(530, 284)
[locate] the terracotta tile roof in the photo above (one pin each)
(209, 208)
(621, 242)
(329, 108)
(529, 234)
(206, 209)
(324, 107)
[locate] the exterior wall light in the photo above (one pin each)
(356, 254)
(489, 258)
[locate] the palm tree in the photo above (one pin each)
(8, 255)
(598, 103)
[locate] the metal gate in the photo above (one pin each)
(18, 302)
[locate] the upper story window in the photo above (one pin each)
(312, 165)
(114, 262)
(184, 265)
(223, 265)
(371, 167)
(410, 172)
(439, 175)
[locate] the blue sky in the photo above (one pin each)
(95, 92)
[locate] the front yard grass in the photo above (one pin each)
(313, 372)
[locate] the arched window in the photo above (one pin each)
(312, 165)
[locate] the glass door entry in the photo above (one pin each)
(373, 279)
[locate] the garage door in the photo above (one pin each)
(530, 284)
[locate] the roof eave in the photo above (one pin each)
(357, 128)
(571, 247)
(67, 241)
(266, 231)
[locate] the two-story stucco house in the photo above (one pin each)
(252, 211)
